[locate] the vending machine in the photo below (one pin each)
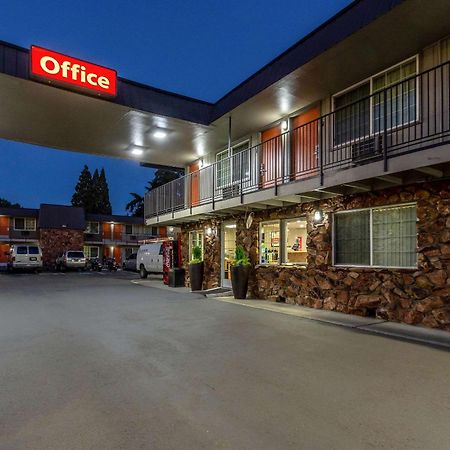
(173, 275)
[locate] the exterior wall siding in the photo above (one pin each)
(414, 296)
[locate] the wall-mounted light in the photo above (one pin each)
(318, 216)
(200, 163)
(211, 231)
(170, 229)
(284, 125)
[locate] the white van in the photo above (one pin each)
(149, 259)
(25, 256)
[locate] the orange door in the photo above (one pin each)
(162, 231)
(4, 226)
(194, 183)
(118, 255)
(304, 144)
(117, 232)
(4, 249)
(271, 156)
(106, 231)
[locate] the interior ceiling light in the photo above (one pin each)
(137, 151)
(159, 134)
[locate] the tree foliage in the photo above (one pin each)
(162, 176)
(92, 192)
(7, 204)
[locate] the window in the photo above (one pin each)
(295, 235)
(25, 223)
(128, 229)
(154, 231)
(269, 242)
(92, 228)
(91, 252)
(22, 250)
(195, 239)
(128, 252)
(33, 250)
(231, 170)
(381, 237)
(358, 115)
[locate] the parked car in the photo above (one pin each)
(71, 259)
(130, 263)
(149, 259)
(25, 256)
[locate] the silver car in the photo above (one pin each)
(71, 259)
(130, 262)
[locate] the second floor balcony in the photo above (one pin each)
(404, 126)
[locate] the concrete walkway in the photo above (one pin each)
(371, 325)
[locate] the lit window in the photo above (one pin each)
(295, 235)
(195, 240)
(91, 252)
(25, 223)
(381, 237)
(269, 242)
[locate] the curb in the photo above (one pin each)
(428, 336)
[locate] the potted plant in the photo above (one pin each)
(240, 272)
(196, 269)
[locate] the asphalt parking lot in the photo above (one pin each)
(93, 361)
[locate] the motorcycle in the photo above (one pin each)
(95, 265)
(111, 264)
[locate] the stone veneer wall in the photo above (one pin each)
(414, 296)
(55, 241)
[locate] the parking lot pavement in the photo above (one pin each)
(97, 362)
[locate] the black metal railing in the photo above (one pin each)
(408, 116)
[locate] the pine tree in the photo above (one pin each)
(104, 205)
(96, 192)
(83, 195)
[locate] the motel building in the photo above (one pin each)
(330, 165)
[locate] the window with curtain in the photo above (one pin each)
(25, 223)
(382, 237)
(357, 115)
(231, 170)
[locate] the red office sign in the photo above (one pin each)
(72, 73)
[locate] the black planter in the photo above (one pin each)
(239, 281)
(196, 276)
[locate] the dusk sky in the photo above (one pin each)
(199, 48)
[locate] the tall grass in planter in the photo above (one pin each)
(240, 273)
(196, 269)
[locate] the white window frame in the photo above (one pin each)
(371, 96)
(370, 266)
(230, 182)
(269, 222)
(89, 247)
(283, 248)
(88, 229)
(26, 224)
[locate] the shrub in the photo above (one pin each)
(196, 255)
(241, 258)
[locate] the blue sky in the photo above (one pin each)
(200, 48)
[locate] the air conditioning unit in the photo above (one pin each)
(231, 191)
(368, 149)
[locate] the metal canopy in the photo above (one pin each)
(366, 37)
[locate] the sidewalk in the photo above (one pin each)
(371, 325)
(427, 336)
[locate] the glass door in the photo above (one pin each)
(228, 251)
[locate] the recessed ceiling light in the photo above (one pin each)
(159, 134)
(137, 151)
